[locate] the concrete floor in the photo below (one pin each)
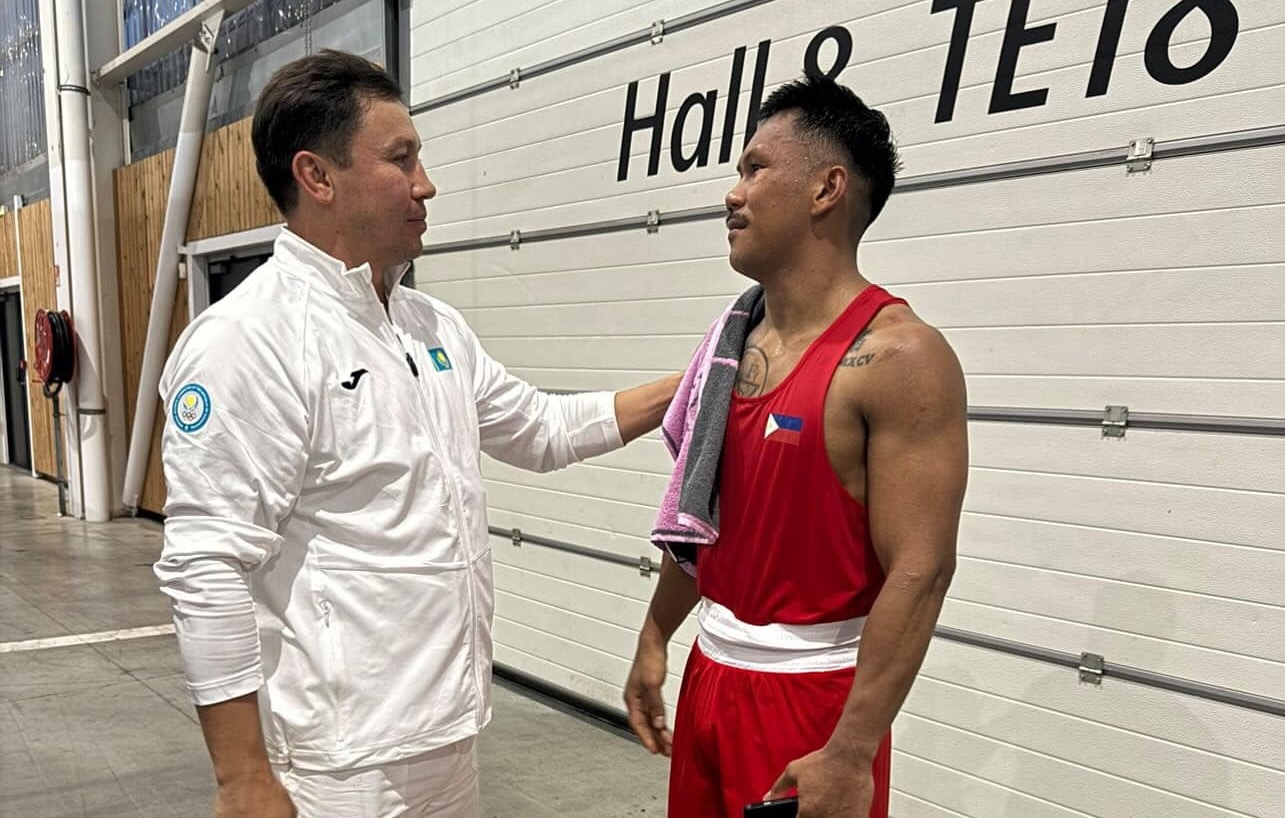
(106, 729)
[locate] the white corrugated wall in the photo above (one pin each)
(1163, 291)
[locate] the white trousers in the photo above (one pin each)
(439, 784)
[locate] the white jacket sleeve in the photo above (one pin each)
(535, 430)
(234, 450)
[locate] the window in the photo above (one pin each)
(250, 26)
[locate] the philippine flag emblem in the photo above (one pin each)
(783, 429)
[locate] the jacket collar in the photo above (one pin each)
(348, 283)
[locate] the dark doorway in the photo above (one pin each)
(227, 273)
(12, 369)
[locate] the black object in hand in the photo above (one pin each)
(776, 808)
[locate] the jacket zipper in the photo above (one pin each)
(456, 506)
(326, 608)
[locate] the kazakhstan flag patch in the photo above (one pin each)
(441, 361)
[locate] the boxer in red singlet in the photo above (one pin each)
(841, 480)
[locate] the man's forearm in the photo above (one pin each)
(673, 600)
(234, 737)
(893, 645)
(641, 409)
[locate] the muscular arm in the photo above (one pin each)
(639, 410)
(673, 600)
(917, 467)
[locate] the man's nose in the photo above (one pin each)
(423, 187)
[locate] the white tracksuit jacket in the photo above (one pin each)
(326, 537)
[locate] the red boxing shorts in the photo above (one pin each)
(736, 730)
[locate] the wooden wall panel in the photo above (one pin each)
(228, 199)
(140, 210)
(229, 196)
(141, 192)
(8, 246)
(38, 292)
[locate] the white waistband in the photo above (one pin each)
(777, 648)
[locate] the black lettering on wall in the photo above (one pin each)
(733, 101)
(842, 38)
(700, 156)
(756, 90)
(1159, 59)
(955, 56)
(1108, 42)
(1224, 24)
(1016, 37)
(633, 124)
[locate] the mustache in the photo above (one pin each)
(734, 220)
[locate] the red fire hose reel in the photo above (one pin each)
(55, 350)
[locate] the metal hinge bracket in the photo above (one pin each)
(1091, 668)
(515, 77)
(516, 536)
(646, 566)
(1115, 419)
(1141, 154)
(657, 32)
(207, 38)
(653, 221)
(515, 239)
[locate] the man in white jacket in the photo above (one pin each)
(326, 546)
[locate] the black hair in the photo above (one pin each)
(832, 114)
(313, 104)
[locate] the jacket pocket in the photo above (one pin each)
(404, 651)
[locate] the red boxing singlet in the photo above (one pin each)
(794, 547)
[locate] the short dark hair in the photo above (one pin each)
(833, 114)
(315, 103)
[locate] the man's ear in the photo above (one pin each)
(831, 190)
(312, 175)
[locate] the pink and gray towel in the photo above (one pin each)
(693, 430)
